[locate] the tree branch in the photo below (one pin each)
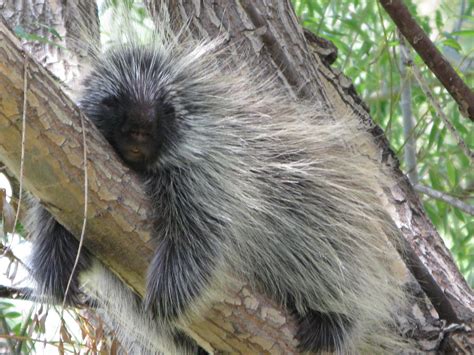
(408, 121)
(54, 166)
(446, 198)
(433, 58)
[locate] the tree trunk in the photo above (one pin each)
(118, 233)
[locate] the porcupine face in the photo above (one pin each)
(125, 100)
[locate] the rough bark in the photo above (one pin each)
(117, 233)
(59, 29)
(54, 166)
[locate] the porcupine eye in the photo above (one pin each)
(109, 101)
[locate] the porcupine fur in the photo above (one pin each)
(246, 182)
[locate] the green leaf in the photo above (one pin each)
(442, 210)
(432, 213)
(451, 42)
(433, 134)
(52, 30)
(452, 173)
(5, 305)
(463, 33)
(442, 136)
(21, 33)
(17, 329)
(20, 229)
(459, 214)
(434, 179)
(12, 315)
(393, 43)
(439, 20)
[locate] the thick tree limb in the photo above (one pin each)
(53, 164)
(433, 58)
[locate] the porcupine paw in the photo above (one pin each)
(319, 331)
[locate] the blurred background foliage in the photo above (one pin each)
(369, 54)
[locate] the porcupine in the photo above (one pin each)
(244, 180)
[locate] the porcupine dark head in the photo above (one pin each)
(157, 100)
(127, 100)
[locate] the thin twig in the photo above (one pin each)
(84, 221)
(408, 122)
(23, 140)
(457, 27)
(318, 30)
(446, 198)
(6, 251)
(42, 341)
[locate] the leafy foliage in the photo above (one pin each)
(11, 321)
(369, 54)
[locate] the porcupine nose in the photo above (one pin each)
(140, 140)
